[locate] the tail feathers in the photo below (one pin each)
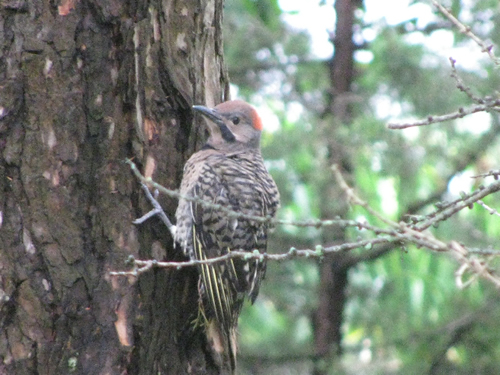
(224, 347)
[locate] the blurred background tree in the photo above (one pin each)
(384, 309)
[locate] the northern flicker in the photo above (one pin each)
(228, 171)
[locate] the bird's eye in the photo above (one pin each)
(236, 120)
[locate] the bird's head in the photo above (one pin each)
(232, 124)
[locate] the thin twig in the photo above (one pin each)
(141, 266)
(397, 233)
(461, 85)
(157, 210)
(488, 48)
(462, 112)
(466, 202)
(477, 266)
(354, 199)
(261, 219)
(492, 211)
(176, 194)
(418, 237)
(483, 105)
(494, 173)
(493, 252)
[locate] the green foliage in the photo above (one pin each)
(404, 308)
(282, 317)
(258, 46)
(399, 70)
(266, 11)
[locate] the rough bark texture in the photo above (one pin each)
(328, 317)
(83, 86)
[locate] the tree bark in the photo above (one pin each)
(328, 317)
(83, 86)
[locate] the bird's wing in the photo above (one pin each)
(215, 233)
(210, 239)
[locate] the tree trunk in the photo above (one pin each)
(328, 317)
(83, 86)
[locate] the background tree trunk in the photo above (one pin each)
(83, 86)
(328, 317)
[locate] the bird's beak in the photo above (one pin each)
(209, 113)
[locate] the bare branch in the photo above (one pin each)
(415, 235)
(494, 173)
(484, 251)
(446, 211)
(395, 233)
(483, 105)
(477, 266)
(261, 219)
(157, 210)
(354, 199)
(488, 48)
(461, 85)
(492, 211)
(462, 112)
(141, 266)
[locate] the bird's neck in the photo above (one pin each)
(232, 148)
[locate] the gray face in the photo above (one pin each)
(232, 122)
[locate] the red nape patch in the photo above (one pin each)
(256, 120)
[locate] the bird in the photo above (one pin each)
(229, 172)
